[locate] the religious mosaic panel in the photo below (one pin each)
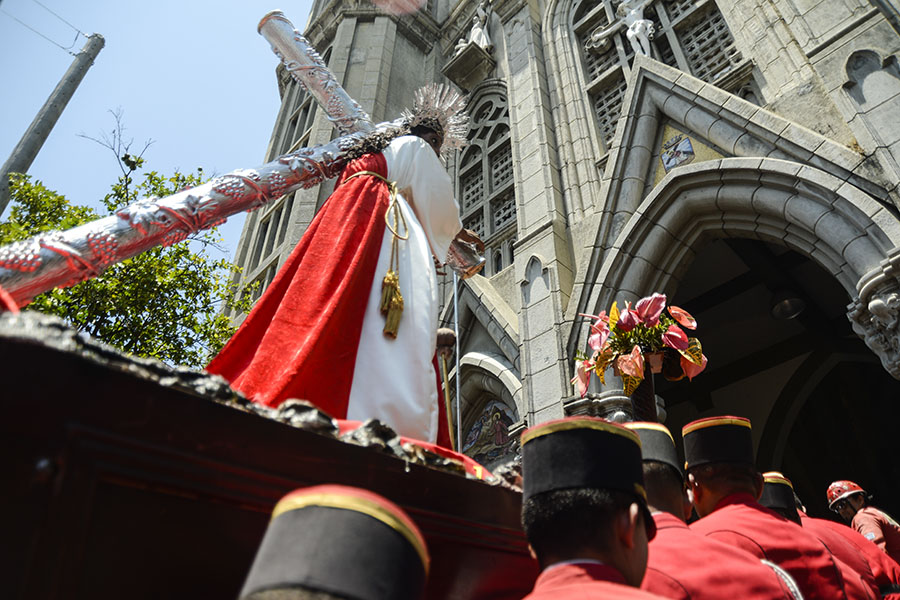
(488, 440)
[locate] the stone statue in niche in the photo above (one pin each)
(638, 30)
(478, 35)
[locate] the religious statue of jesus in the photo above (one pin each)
(349, 322)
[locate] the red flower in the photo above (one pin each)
(692, 370)
(628, 319)
(683, 317)
(649, 308)
(675, 337)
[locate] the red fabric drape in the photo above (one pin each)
(472, 467)
(7, 303)
(443, 432)
(301, 337)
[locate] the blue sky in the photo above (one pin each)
(193, 75)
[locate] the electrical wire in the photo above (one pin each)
(27, 26)
(60, 18)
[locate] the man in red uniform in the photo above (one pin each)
(884, 568)
(778, 494)
(849, 500)
(336, 542)
(726, 485)
(584, 510)
(683, 564)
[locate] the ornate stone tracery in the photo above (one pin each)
(486, 191)
(691, 36)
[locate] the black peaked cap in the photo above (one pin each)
(584, 452)
(726, 439)
(778, 492)
(340, 540)
(657, 443)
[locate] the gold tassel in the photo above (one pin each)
(391, 305)
(390, 286)
(395, 311)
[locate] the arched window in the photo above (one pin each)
(690, 35)
(486, 192)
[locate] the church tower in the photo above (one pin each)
(732, 154)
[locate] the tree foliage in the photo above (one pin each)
(165, 303)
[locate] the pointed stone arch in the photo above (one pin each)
(841, 228)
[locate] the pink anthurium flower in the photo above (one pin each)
(601, 317)
(582, 376)
(692, 370)
(632, 364)
(683, 317)
(599, 334)
(649, 309)
(628, 320)
(675, 337)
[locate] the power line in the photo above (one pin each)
(60, 18)
(27, 26)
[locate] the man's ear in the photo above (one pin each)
(532, 552)
(627, 524)
(687, 503)
(695, 490)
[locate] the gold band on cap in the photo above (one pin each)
(647, 425)
(776, 477)
(575, 424)
(714, 422)
(356, 504)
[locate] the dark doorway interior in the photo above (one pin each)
(847, 429)
(847, 414)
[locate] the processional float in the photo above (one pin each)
(65, 258)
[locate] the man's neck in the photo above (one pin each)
(665, 507)
(588, 555)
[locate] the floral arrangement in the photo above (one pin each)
(629, 338)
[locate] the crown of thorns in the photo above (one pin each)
(440, 108)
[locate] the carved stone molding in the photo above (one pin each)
(470, 67)
(611, 405)
(875, 315)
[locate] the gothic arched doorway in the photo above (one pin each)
(820, 402)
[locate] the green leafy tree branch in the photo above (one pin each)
(166, 303)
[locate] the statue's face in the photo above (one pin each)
(434, 140)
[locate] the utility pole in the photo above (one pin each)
(30, 144)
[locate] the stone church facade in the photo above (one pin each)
(751, 157)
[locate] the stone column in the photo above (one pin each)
(545, 268)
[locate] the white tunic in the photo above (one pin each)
(394, 379)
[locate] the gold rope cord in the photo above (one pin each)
(391, 305)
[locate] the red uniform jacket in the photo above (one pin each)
(686, 565)
(739, 520)
(884, 568)
(878, 528)
(583, 581)
(841, 548)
